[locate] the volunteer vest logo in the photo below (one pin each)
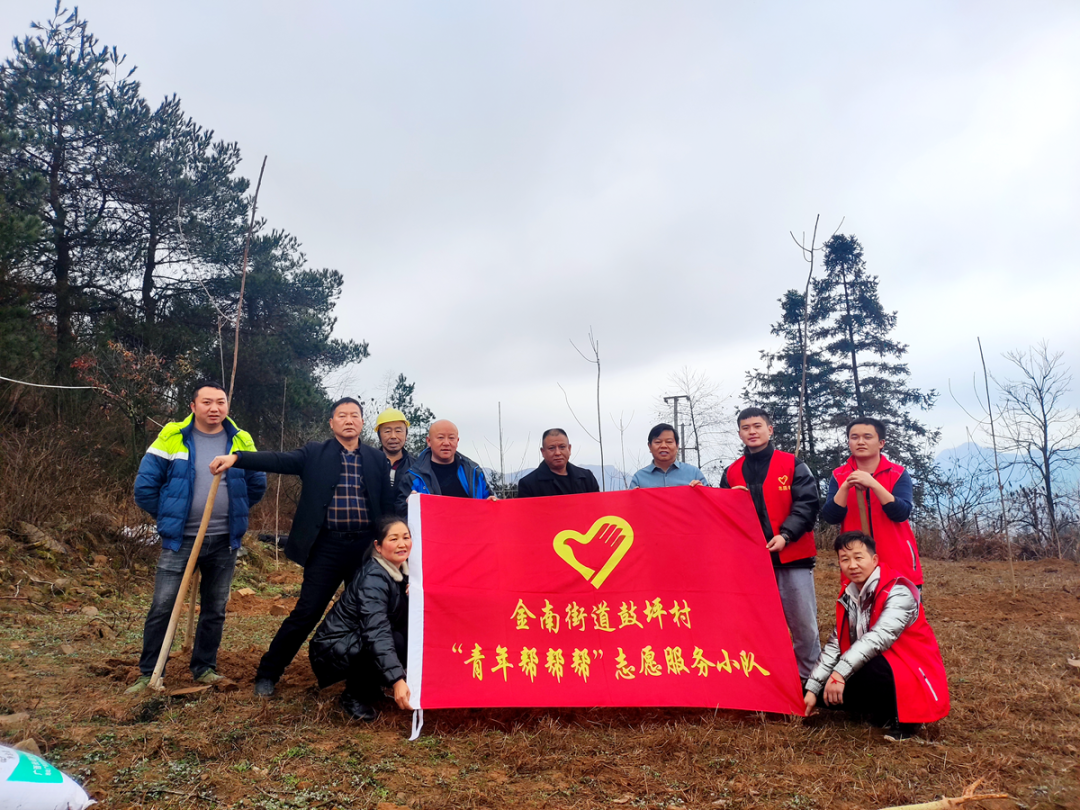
(612, 536)
(783, 482)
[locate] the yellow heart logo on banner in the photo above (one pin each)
(782, 479)
(611, 531)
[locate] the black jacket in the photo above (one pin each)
(805, 501)
(319, 466)
(403, 484)
(541, 482)
(366, 617)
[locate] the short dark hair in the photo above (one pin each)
(848, 539)
(656, 431)
(553, 432)
(750, 413)
(343, 401)
(876, 424)
(384, 526)
(199, 386)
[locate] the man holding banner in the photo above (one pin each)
(785, 497)
(666, 470)
(442, 470)
(556, 475)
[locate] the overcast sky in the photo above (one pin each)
(495, 178)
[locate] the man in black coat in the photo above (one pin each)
(345, 493)
(556, 475)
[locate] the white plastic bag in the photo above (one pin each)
(30, 783)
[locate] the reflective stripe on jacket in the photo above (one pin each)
(165, 484)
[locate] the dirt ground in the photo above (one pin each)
(68, 650)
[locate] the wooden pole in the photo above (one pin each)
(864, 519)
(178, 606)
(189, 636)
(213, 490)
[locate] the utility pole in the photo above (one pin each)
(675, 421)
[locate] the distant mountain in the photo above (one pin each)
(974, 460)
(614, 478)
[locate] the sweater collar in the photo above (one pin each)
(859, 594)
(396, 574)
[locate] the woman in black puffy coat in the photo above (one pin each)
(364, 638)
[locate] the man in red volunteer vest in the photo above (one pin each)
(886, 492)
(882, 663)
(785, 496)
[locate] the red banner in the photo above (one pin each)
(652, 597)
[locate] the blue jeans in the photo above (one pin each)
(216, 564)
(797, 595)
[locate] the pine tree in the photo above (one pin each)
(852, 329)
(400, 395)
(776, 389)
(854, 369)
(61, 98)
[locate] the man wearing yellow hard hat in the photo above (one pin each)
(392, 428)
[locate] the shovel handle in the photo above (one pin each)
(178, 606)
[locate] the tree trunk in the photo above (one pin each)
(851, 341)
(149, 303)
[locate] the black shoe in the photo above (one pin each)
(264, 687)
(898, 732)
(356, 709)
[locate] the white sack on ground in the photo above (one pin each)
(30, 783)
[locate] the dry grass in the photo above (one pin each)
(1015, 719)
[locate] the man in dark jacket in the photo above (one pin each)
(392, 428)
(556, 475)
(442, 470)
(346, 492)
(785, 497)
(173, 485)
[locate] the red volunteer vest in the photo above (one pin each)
(896, 546)
(922, 691)
(777, 493)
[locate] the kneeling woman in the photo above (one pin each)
(364, 638)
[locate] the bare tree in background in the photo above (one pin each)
(621, 426)
(1039, 427)
(709, 423)
(594, 344)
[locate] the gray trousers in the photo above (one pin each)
(797, 594)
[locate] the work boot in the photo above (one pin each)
(357, 709)
(264, 687)
(139, 685)
(209, 677)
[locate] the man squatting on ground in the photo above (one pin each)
(882, 662)
(556, 475)
(887, 492)
(442, 470)
(785, 497)
(345, 493)
(173, 487)
(666, 470)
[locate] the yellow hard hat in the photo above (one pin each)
(390, 415)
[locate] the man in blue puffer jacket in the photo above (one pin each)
(173, 485)
(442, 470)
